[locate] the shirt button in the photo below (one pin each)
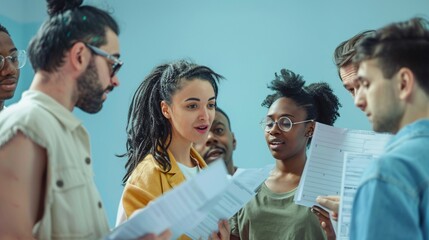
(60, 183)
(99, 204)
(88, 160)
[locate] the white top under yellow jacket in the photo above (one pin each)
(73, 208)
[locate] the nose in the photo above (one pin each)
(8, 68)
(211, 139)
(114, 81)
(204, 114)
(275, 129)
(360, 99)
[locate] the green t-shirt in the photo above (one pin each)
(275, 216)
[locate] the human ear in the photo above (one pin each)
(406, 82)
(310, 130)
(234, 141)
(79, 57)
(165, 109)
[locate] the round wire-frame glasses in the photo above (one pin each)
(284, 123)
(17, 59)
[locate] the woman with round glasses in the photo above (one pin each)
(11, 60)
(293, 110)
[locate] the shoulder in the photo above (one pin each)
(399, 169)
(147, 171)
(25, 112)
(30, 119)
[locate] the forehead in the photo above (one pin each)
(286, 106)
(6, 43)
(220, 118)
(112, 44)
(195, 88)
(369, 68)
(348, 73)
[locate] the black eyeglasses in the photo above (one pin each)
(116, 63)
(284, 123)
(17, 59)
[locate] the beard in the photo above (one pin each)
(387, 122)
(90, 90)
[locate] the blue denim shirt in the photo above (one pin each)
(392, 201)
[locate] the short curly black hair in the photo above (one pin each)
(3, 29)
(318, 99)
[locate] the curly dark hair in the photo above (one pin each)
(317, 99)
(148, 131)
(4, 29)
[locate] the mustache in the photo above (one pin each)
(110, 88)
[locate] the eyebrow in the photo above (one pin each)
(216, 122)
(197, 99)
(359, 79)
(283, 115)
(13, 49)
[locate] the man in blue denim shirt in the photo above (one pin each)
(392, 201)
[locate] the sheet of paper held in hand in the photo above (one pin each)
(323, 170)
(354, 166)
(195, 206)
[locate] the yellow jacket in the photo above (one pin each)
(149, 181)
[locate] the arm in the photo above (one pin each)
(22, 184)
(325, 222)
(146, 184)
(330, 202)
(224, 231)
(385, 210)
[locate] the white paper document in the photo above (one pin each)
(323, 170)
(195, 207)
(354, 166)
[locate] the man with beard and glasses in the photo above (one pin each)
(220, 142)
(46, 176)
(11, 60)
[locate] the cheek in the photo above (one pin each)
(211, 116)
(266, 136)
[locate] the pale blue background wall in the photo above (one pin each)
(246, 41)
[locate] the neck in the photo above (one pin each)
(416, 109)
(57, 85)
(181, 151)
(293, 165)
(230, 167)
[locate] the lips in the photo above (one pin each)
(8, 84)
(8, 81)
(202, 128)
(368, 115)
(276, 143)
(214, 153)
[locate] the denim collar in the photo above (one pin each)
(419, 127)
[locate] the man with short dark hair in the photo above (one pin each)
(392, 199)
(11, 60)
(220, 142)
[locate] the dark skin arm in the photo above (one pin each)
(325, 221)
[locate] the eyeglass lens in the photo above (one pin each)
(284, 123)
(16, 59)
